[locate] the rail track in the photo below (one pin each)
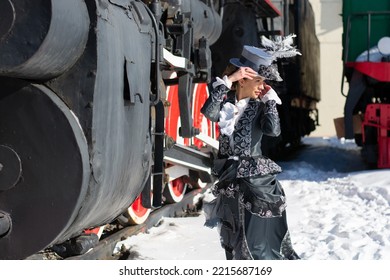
(104, 250)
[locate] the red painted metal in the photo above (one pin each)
(378, 115)
(200, 96)
(378, 70)
(270, 9)
(172, 122)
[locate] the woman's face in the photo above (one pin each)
(253, 88)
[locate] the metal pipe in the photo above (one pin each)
(206, 22)
(368, 35)
(345, 54)
(156, 82)
(42, 40)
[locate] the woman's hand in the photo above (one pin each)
(268, 93)
(241, 73)
(264, 90)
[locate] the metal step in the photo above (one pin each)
(188, 157)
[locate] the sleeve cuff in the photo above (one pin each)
(224, 81)
(271, 95)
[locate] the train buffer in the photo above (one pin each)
(378, 116)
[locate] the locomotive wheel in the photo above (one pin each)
(136, 214)
(174, 191)
(97, 230)
(201, 184)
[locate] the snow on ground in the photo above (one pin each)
(337, 210)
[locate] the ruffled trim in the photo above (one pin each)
(226, 119)
(224, 81)
(271, 95)
(229, 115)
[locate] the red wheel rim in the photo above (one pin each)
(172, 121)
(97, 230)
(178, 187)
(200, 121)
(137, 207)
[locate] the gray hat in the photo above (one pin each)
(259, 60)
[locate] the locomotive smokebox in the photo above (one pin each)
(53, 33)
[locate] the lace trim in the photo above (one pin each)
(286, 248)
(257, 205)
(270, 72)
(245, 252)
(230, 191)
(257, 166)
(270, 108)
(262, 208)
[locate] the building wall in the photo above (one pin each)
(329, 31)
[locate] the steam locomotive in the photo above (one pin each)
(366, 65)
(100, 106)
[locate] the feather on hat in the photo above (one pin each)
(281, 47)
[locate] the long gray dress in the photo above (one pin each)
(249, 208)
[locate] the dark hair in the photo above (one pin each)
(230, 69)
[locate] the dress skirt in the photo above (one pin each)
(251, 218)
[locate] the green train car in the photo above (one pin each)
(366, 61)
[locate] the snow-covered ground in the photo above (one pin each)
(337, 210)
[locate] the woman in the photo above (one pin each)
(249, 208)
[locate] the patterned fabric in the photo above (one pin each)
(244, 253)
(224, 146)
(270, 108)
(270, 72)
(254, 200)
(257, 166)
(230, 191)
(230, 210)
(286, 248)
(243, 130)
(259, 206)
(242, 136)
(219, 93)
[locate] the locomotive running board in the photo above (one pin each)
(208, 140)
(188, 157)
